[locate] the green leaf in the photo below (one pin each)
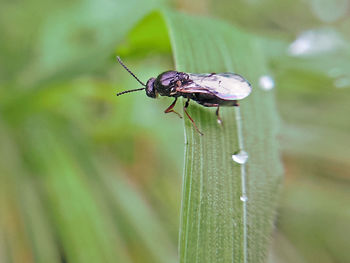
(217, 223)
(83, 224)
(84, 32)
(145, 225)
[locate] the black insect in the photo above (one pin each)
(209, 90)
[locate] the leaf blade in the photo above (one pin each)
(216, 226)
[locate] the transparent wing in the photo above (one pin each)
(227, 86)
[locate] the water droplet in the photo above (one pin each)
(244, 198)
(266, 82)
(241, 157)
(317, 41)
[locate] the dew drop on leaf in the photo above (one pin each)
(244, 198)
(241, 157)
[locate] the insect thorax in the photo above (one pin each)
(167, 82)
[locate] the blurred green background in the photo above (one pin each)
(86, 176)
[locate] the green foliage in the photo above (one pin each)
(89, 177)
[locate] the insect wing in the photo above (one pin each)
(226, 86)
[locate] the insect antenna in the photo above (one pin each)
(128, 70)
(127, 91)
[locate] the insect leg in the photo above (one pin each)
(170, 108)
(185, 110)
(218, 115)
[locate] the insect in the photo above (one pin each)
(209, 90)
